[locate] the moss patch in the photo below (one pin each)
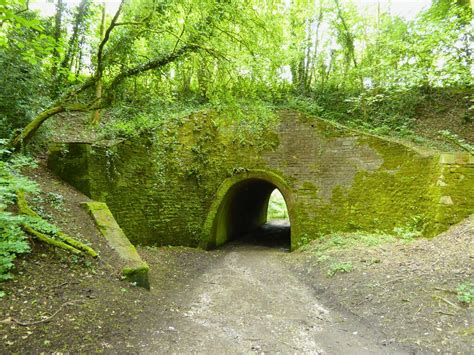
(135, 269)
(163, 186)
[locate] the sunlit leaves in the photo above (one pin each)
(243, 49)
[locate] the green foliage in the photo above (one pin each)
(127, 121)
(465, 292)
(340, 267)
(337, 60)
(13, 240)
(25, 93)
(276, 206)
(337, 241)
(253, 120)
(456, 140)
(14, 14)
(383, 112)
(56, 200)
(412, 230)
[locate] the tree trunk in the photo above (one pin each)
(57, 36)
(349, 39)
(95, 118)
(73, 45)
(316, 45)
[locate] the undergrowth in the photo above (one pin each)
(326, 247)
(390, 112)
(13, 240)
(456, 140)
(347, 240)
(385, 112)
(128, 121)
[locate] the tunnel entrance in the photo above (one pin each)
(251, 210)
(276, 232)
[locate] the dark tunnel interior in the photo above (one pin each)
(242, 216)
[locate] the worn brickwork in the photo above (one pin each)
(453, 190)
(161, 187)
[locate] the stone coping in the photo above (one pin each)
(135, 269)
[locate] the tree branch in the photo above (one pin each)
(106, 39)
(153, 64)
(27, 133)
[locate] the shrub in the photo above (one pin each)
(13, 240)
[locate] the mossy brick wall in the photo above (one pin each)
(161, 186)
(453, 190)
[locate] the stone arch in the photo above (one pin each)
(257, 185)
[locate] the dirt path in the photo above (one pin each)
(248, 300)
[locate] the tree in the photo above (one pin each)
(73, 49)
(58, 22)
(98, 89)
(192, 38)
(224, 51)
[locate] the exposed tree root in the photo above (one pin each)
(65, 241)
(48, 319)
(76, 244)
(446, 301)
(48, 240)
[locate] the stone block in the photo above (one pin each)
(135, 269)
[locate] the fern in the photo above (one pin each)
(13, 240)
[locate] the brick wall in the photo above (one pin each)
(160, 187)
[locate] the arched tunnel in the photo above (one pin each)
(243, 214)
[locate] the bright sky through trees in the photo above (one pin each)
(337, 54)
(48, 7)
(407, 9)
(404, 8)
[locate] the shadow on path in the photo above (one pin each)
(274, 234)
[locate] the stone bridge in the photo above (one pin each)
(200, 180)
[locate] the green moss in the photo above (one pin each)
(135, 269)
(169, 187)
(452, 194)
(379, 200)
(137, 275)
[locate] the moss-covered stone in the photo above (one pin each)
(452, 191)
(175, 186)
(134, 268)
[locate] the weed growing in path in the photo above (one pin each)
(340, 267)
(465, 292)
